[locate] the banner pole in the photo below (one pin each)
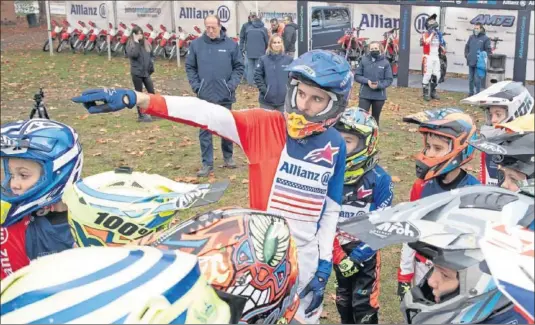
(50, 44)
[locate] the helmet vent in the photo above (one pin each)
(136, 184)
(117, 184)
(82, 201)
(487, 201)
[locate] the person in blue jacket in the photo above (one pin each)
(271, 77)
(476, 43)
(214, 66)
(256, 43)
(374, 74)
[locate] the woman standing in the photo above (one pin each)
(270, 76)
(374, 73)
(141, 65)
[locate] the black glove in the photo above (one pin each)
(403, 288)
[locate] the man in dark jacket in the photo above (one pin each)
(374, 74)
(243, 29)
(477, 42)
(214, 66)
(289, 35)
(256, 42)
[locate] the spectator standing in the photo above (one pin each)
(477, 42)
(243, 30)
(276, 27)
(374, 73)
(256, 42)
(214, 66)
(141, 65)
(271, 77)
(289, 35)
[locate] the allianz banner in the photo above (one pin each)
(95, 11)
(192, 13)
(497, 23)
(145, 12)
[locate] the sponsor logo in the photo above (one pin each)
(325, 154)
(494, 20)
(459, 40)
(462, 18)
(458, 64)
(451, 28)
(5, 264)
(325, 178)
(378, 21)
(491, 148)
(3, 235)
(84, 10)
(188, 199)
(306, 69)
(350, 215)
(419, 23)
(223, 12)
(362, 193)
(402, 228)
(299, 172)
(142, 12)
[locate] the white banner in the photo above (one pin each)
(375, 20)
(497, 23)
(145, 12)
(419, 16)
(86, 11)
(189, 14)
(57, 7)
(267, 10)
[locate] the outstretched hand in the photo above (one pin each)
(111, 99)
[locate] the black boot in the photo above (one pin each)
(425, 89)
(434, 94)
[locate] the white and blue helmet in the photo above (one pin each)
(55, 146)
(112, 285)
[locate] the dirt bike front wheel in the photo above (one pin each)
(61, 45)
(46, 46)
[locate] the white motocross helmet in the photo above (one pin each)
(512, 96)
(446, 229)
(112, 285)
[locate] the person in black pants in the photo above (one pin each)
(374, 73)
(141, 65)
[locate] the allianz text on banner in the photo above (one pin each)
(497, 23)
(145, 12)
(86, 11)
(192, 13)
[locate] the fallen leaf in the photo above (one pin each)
(102, 141)
(212, 180)
(324, 314)
(83, 117)
(103, 130)
(400, 157)
(97, 154)
(332, 296)
(232, 177)
(179, 179)
(413, 130)
(168, 165)
(245, 181)
(396, 179)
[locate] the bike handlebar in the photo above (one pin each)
(122, 25)
(162, 27)
(81, 23)
(92, 24)
(110, 25)
(496, 39)
(149, 26)
(358, 28)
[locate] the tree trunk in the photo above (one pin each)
(42, 12)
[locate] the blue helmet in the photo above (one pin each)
(324, 70)
(55, 147)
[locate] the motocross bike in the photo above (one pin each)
(68, 36)
(94, 37)
(184, 41)
(391, 46)
(79, 44)
(353, 47)
(57, 30)
(494, 41)
(120, 47)
(167, 37)
(115, 37)
(152, 36)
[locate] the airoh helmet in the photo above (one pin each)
(324, 70)
(434, 25)
(242, 252)
(57, 150)
(114, 208)
(446, 228)
(360, 123)
(112, 285)
(513, 149)
(451, 124)
(510, 95)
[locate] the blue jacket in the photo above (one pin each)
(375, 70)
(271, 79)
(214, 68)
(256, 40)
(481, 42)
(243, 30)
(435, 186)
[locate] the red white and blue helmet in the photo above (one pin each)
(55, 147)
(327, 71)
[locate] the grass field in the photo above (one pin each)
(172, 149)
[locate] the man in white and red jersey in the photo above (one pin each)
(431, 41)
(296, 160)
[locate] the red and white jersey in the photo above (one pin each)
(301, 180)
(431, 45)
(13, 247)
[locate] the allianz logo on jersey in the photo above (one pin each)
(298, 171)
(84, 10)
(223, 12)
(378, 21)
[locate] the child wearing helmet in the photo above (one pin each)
(513, 153)
(367, 187)
(446, 133)
(296, 160)
(502, 102)
(39, 158)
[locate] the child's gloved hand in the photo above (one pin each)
(112, 100)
